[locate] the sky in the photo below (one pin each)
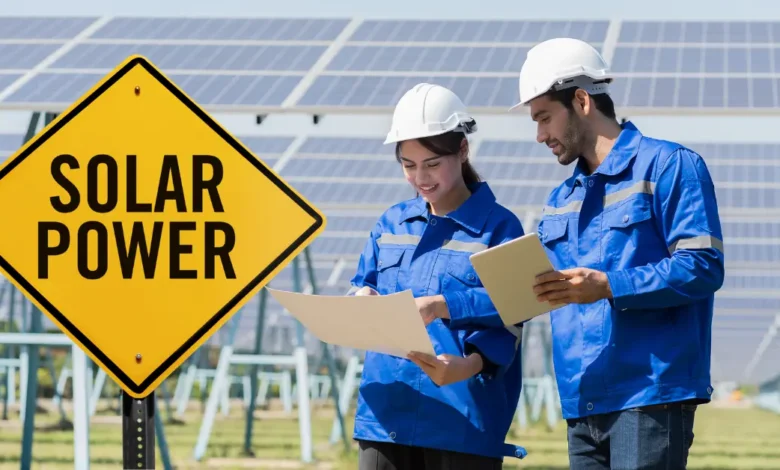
(454, 9)
(755, 129)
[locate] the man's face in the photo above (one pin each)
(562, 130)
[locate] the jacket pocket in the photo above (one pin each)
(388, 267)
(630, 235)
(461, 274)
(553, 235)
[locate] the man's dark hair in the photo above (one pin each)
(603, 101)
(446, 144)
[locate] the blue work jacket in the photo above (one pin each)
(648, 218)
(411, 249)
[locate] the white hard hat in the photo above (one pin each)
(427, 110)
(562, 63)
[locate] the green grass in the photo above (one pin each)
(725, 438)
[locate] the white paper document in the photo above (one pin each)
(508, 272)
(389, 324)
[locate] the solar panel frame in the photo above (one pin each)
(365, 91)
(21, 56)
(223, 29)
(62, 89)
(42, 27)
(700, 32)
(414, 58)
(476, 31)
(206, 57)
(9, 143)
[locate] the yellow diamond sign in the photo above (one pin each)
(139, 225)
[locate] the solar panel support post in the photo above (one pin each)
(302, 377)
(31, 396)
(138, 432)
(10, 375)
(329, 360)
(253, 372)
(29, 377)
(221, 380)
(80, 409)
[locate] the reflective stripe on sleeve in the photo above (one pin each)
(697, 243)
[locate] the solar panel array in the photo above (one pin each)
(333, 65)
(345, 65)
(697, 64)
(354, 179)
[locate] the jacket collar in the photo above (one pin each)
(623, 152)
(472, 214)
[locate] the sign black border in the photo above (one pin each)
(138, 388)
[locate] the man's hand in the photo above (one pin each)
(366, 290)
(572, 286)
(432, 307)
(447, 368)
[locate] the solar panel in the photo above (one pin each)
(336, 247)
(742, 198)
(477, 31)
(695, 60)
(350, 223)
(193, 57)
(736, 172)
(267, 145)
(750, 304)
(340, 168)
(345, 146)
(513, 148)
(750, 229)
(7, 79)
(39, 27)
(24, 56)
(205, 89)
(697, 64)
(552, 171)
(735, 151)
(759, 281)
(267, 149)
(429, 59)
(249, 29)
(368, 91)
(699, 32)
(690, 92)
(285, 276)
(9, 143)
(752, 253)
(335, 193)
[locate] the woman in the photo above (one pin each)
(451, 411)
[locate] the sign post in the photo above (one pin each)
(138, 415)
(139, 226)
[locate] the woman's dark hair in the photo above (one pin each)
(448, 144)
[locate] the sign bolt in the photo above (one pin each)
(138, 357)
(137, 90)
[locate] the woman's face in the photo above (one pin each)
(433, 176)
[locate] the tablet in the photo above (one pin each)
(508, 271)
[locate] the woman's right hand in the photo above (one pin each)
(366, 290)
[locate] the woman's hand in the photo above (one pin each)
(366, 290)
(432, 307)
(445, 369)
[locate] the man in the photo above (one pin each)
(635, 237)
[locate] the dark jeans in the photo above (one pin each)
(651, 438)
(389, 456)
